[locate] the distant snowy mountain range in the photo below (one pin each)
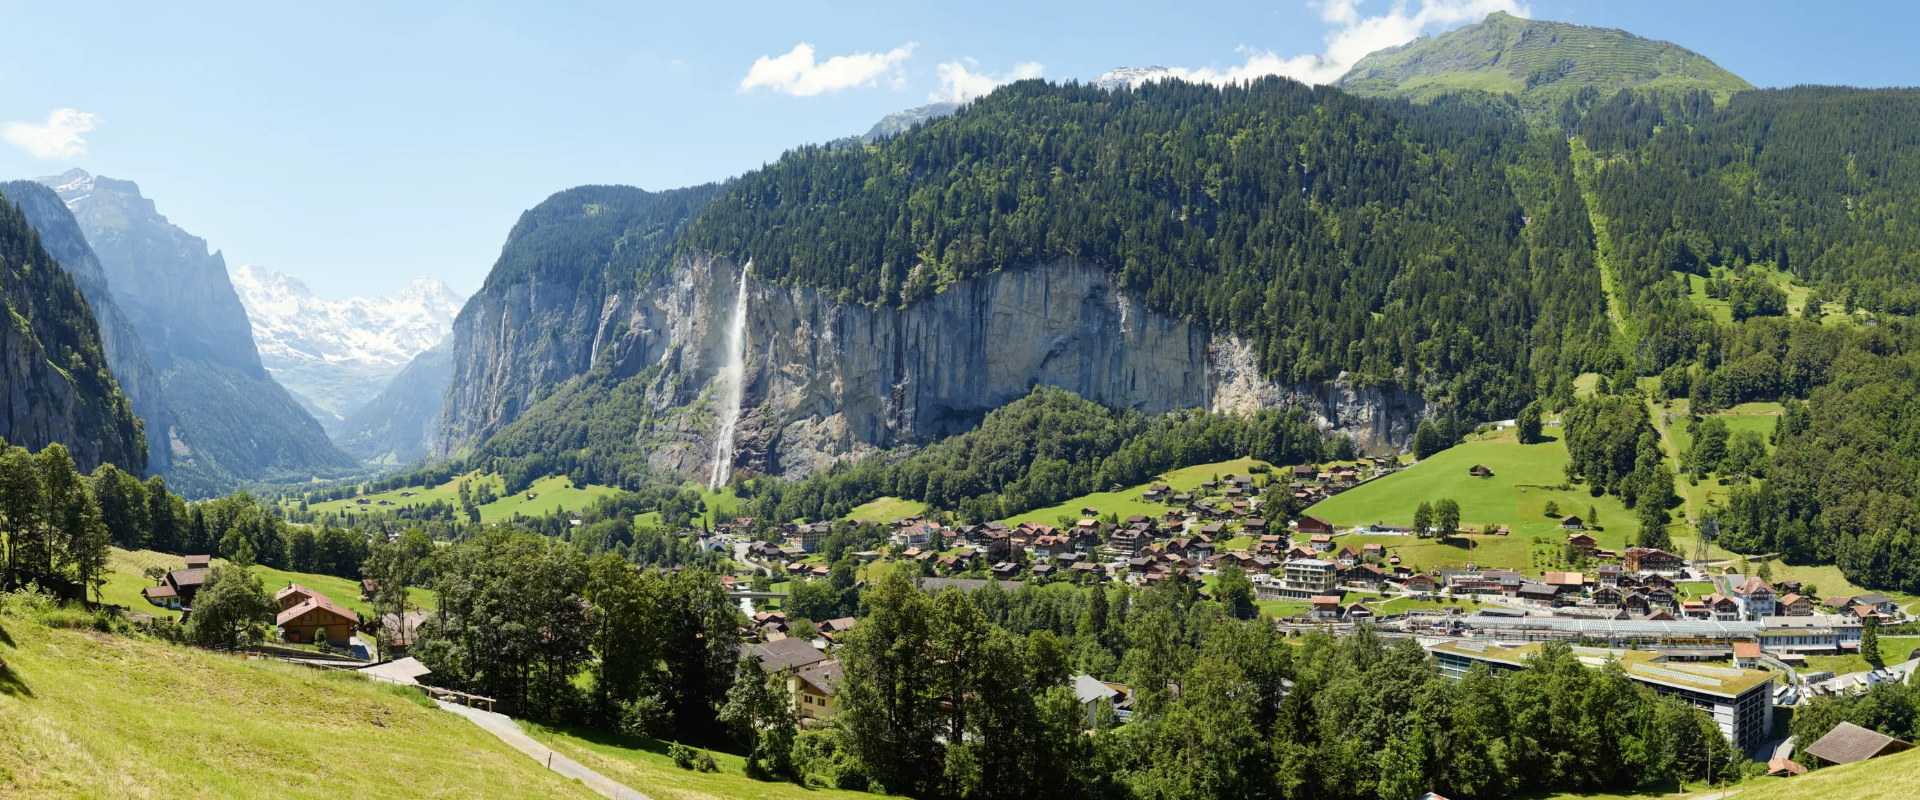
(335, 355)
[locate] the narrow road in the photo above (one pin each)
(503, 726)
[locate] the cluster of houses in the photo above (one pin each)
(304, 615)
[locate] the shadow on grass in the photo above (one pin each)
(10, 684)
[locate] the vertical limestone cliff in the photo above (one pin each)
(827, 380)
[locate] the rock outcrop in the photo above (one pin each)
(398, 426)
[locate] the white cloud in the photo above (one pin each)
(58, 139)
(960, 83)
(797, 74)
(1352, 38)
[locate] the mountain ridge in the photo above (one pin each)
(1543, 63)
(238, 425)
(336, 355)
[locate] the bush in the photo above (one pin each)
(689, 758)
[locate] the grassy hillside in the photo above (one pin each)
(1127, 502)
(87, 715)
(126, 579)
(1543, 62)
(1891, 778)
(1516, 497)
(549, 494)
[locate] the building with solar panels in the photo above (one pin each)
(1739, 700)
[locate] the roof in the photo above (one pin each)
(1746, 649)
(1087, 689)
(1324, 600)
(787, 654)
(1785, 766)
(188, 577)
(824, 675)
(1848, 743)
(294, 588)
(315, 603)
(1752, 585)
(1566, 579)
(1645, 666)
(160, 592)
(405, 671)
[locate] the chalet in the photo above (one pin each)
(1358, 612)
(317, 618)
(1658, 581)
(1746, 655)
(1322, 543)
(1573, 523)
(1647, 559)
(1041, 571)
(1606, 596)
(178, 588)
(1303, 472)
(1347, 556)
(1046, 547)
(1311, 524)
(1366, 575)
(1635, 601)
(398, 631)
(1372, 551)
(813, 688)
(1582, 543)
(1254, 526)
(1795, 605)
(1420, 582)
(1480, 471)
(1538, 593)
(1180, 498)
(1565, 582)
(1724, 608)
(1662, 597)
(1154, 493)
(1005, 569)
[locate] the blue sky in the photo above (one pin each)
(357, 146)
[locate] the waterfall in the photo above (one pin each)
(734, 372)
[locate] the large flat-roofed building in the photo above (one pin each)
(1739, 700)
(1776, 635)
(1306, 577)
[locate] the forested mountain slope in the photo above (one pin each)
(237, 424)
(1543, 64)
(398, 425)
(60, 234)
(55, 382)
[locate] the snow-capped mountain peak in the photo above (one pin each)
(337, 354)
(1129, 77)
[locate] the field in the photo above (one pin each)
(643, 765)
(86, 715)
(1516, 496)
(551, 494)
(888, 509)
(1760, 417)
(1127, 502)
(125, 582)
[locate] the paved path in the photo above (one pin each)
(509, 731)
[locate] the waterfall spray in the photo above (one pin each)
(734, 372)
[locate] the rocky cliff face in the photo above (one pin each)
(60, 234)
(827, 380)
(232, 421)
(55, 382)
